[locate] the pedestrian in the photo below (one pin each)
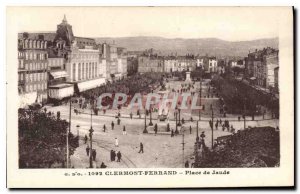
(104, 128)
(190, 129)
(94, 153)
(111, 155)
(172, 133)
(119, 121)
(131, 115)
(87, 149)
(187, 165)
(112, 125)
(116, 142)
(155, 128)
(119, 156)
(103, 165)
(223, 127)
(85, 139)
(141, 148)
(124, 130)
(211, 124)
(216, 125)
(232, 129)
(239, 118)
(182, 120)
(192, 119)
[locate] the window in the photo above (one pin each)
(82, 68)
(79, 71)
(90, 70)
(86, 71)
(74, 71)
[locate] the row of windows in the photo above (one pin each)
(34, 44)
(55, 62)
(35, 77)
(85, 56)
(33, 55)
(85, 71)
(32, 66)
(36, 87)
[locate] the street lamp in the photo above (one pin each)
(150, 111)
(179, 122)
(200, 98)
(176, 125)
(244, 113)
(145, 127)
(212, 127)
(91, 139)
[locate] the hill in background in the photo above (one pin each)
(202, 46)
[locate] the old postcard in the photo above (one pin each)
(150, 97)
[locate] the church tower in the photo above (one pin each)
(64, 32)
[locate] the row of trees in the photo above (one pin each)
(42, 140)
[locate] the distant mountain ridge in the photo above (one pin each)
(181, 46)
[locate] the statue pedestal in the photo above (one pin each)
(188, 76)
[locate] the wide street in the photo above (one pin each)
(160, 150)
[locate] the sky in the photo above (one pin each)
(231, 24)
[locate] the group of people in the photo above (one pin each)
(129, 85)
(224, 125)
(113, 156)
(91, 153)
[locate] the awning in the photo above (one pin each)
(61, 91)
(59, 74)
(90, 84)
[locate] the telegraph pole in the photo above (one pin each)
(183, 149)
(176, 128)
(91, 140)
(197, 137)
(245, 114)
(150, 111)
(212, 128)
(145, 127)
(68, 132)
(200, 98)
(179, 122)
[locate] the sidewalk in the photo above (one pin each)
(80, 159)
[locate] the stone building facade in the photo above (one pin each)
(32, 69)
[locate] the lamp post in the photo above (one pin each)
(179, 122)
(176, 125)
(68, 132)
(150, 111)
(244, 113)
(183, 149)
(212, 128)
(200, 98)
(91, 140)
(145, 127)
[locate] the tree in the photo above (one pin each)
(42, 140)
